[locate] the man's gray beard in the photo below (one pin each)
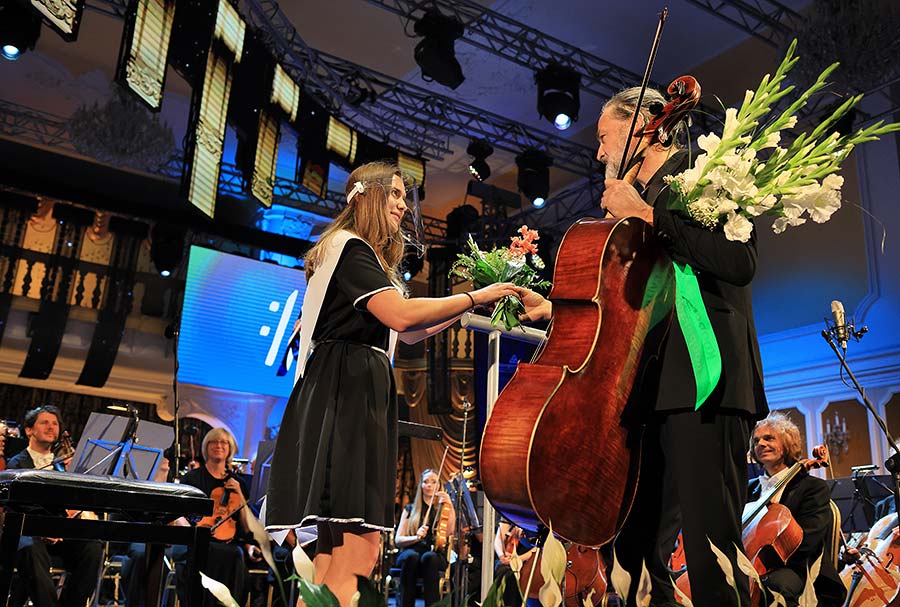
(612, 170)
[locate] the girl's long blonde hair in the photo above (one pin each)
(419, 505)
(367, 217)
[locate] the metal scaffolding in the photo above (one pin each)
(535, 50)
(415, 108)
(45, 129)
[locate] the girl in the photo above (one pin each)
(335, 457)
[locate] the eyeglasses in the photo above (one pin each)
(221, 441)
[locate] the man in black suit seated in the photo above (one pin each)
(81, 558)
(776, 445)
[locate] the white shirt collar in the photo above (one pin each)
(41, 460)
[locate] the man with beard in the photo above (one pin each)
(80, 557)
(693, 467)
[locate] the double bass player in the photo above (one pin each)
(693, 467)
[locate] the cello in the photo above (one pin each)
(874, 579)
(558, 422)
(770, 534)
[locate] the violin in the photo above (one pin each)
(227, 503)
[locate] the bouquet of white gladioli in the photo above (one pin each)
(731, 181)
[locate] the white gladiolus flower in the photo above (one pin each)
(738, 227)
(726, 205)
(833, 182)
(772, 140)
(708, 143)
(758, 207)
(821, 203)
(729, 184)
(731, 123)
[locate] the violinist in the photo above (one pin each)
(693, 465)
(230, 542)
(776, 446)
(510, 540)
(81, 558)
(423, 523)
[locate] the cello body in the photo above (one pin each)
(585, 571)
(555, 437)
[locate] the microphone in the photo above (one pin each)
(840, 325)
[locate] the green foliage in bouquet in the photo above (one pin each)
(509, 264)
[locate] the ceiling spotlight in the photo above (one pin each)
(20, 28)
(411, 264)
(534, 175)
(479, 150)
(558, 95)
(166, 248)
(435, 53)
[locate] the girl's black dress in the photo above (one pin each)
(336, 453)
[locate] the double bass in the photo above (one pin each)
(558, 422)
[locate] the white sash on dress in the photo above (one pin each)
(315, 296)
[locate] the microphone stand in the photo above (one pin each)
(892, 463)
(174, 451)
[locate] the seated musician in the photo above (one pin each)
(230, 541)
(508, 541)
(415, 537)
(776, 445)
(81, 558)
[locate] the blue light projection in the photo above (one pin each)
(238, 316)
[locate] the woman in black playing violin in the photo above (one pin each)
(776, 445)
(230, 542)
(416, 538)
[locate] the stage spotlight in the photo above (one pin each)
(20, 28)
(166, 248)
(435, 53)
(479, 150)
(558, 95)
(534, 175)
(411, 265)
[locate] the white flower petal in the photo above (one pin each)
(218, 590)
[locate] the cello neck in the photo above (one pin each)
(765, 499)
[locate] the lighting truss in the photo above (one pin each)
(413, 108)
(768, 20)
(334, 89)
(774, 23)
(48, 130)
(533, 49)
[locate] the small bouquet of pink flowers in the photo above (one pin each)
(508, 264)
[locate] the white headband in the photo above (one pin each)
(358, 188)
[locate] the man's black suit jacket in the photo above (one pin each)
(807, 497)
(724, 270)
(20, 461)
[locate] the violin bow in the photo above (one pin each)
(440, 469)
(625, 166)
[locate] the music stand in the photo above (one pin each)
(261, 467)
(121, 446)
